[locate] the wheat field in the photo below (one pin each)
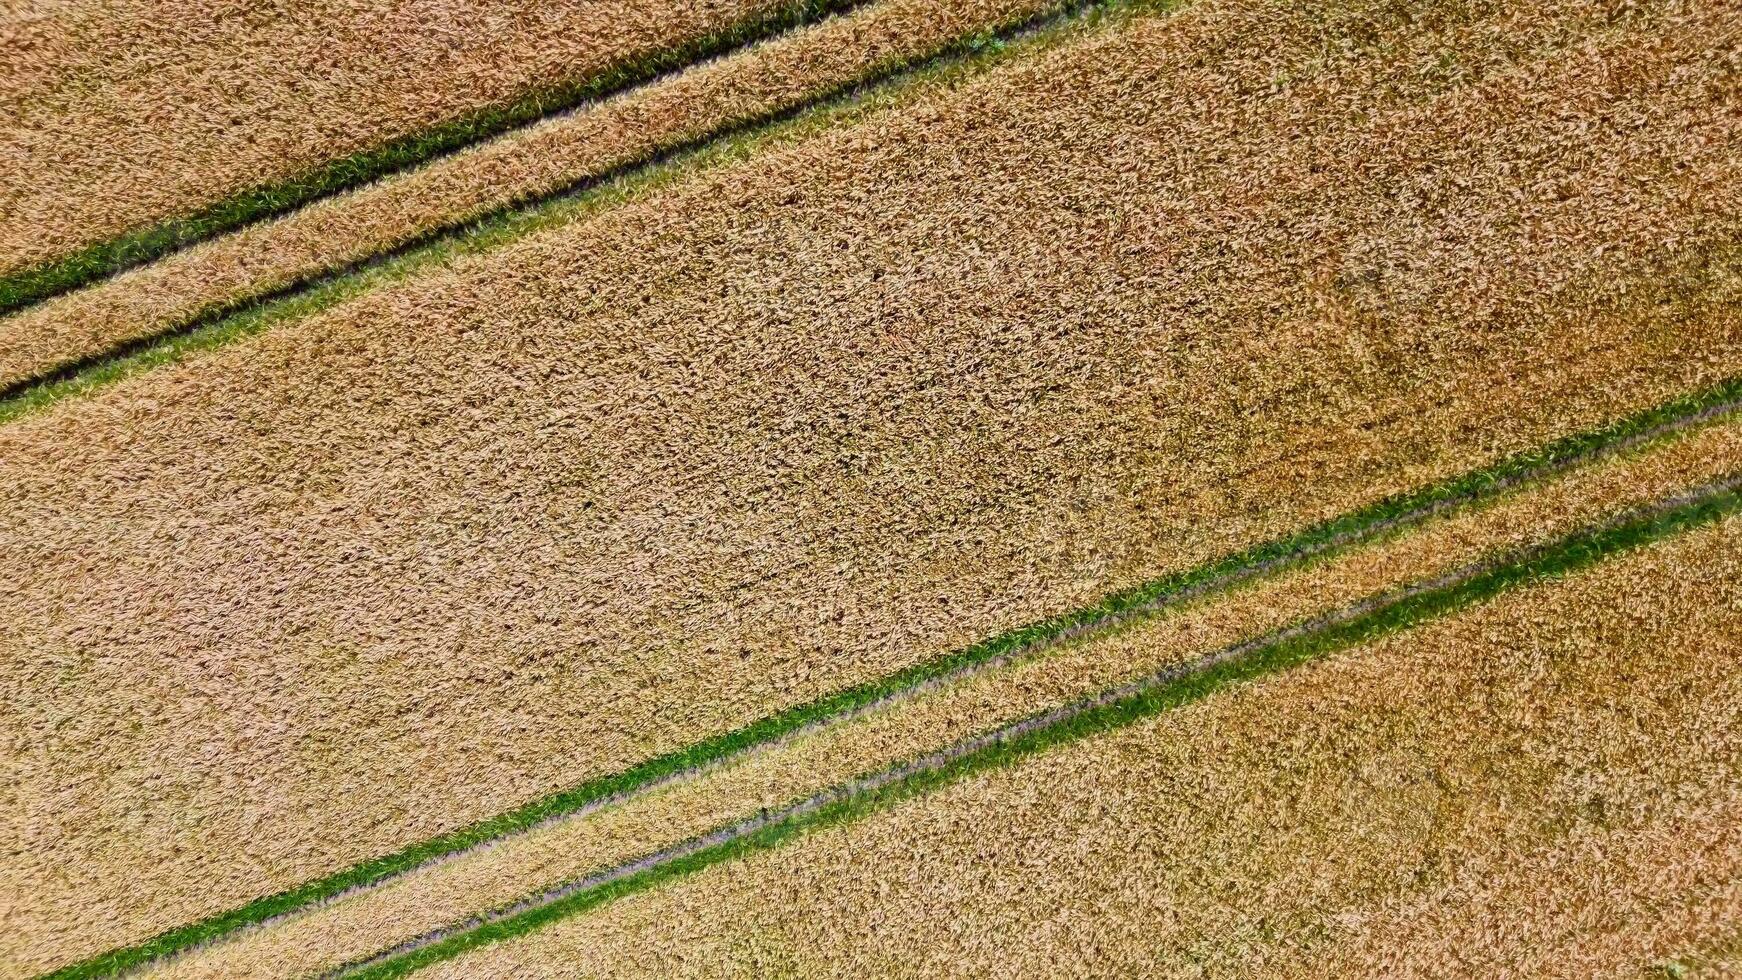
(886, 488)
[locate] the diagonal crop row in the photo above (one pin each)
(1439, 795)
(506, 870)
(1364, 524)
(562, 155)
(1102, 659)
(1116, 707)
(51, 278)
(119, 335)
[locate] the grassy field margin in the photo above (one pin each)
(44, 280)
(1313, 543)
(1366, 620)
(273, 258)
(224, 323)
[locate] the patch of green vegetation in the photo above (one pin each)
(1565, 557)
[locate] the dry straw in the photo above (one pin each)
(1110, 312)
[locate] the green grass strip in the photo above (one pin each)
(1566, 556)
(1463, 490)
(51, 278)
(884, 86)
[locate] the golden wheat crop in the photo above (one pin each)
(503, 872)
(1544, 785)
(135, 114)
(522, 165)
(1106, 312)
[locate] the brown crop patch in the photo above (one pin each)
(1148, 298)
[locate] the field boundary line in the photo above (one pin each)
(482, 231)
(1380, 614)
(1317, 541)
(33, 284)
